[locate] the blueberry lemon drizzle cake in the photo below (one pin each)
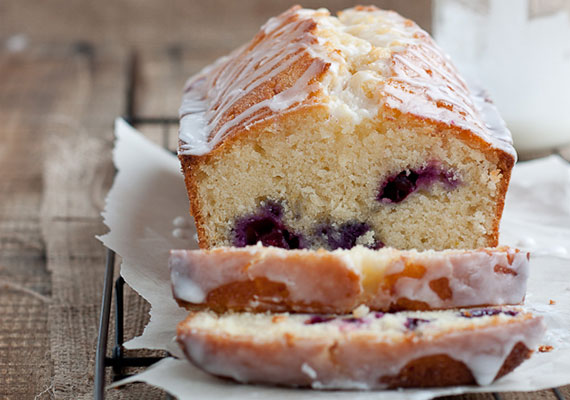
(364, 351)
(307, 151)
(330, 132)
(258, 278)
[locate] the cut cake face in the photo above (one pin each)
(331, 132)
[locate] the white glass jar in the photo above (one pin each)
(520, 51)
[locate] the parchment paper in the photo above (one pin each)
(147, 214)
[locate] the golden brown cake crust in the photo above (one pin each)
(442, 370)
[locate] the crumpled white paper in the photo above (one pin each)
(147, 214)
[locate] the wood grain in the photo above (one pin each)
(77, 175)
(57, 109)
(25, 364)
(73, 151)
(148, 25)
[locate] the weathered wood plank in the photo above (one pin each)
(25, 281)
(55, 162)
(539, 395)
(565, 391)
(25, 364)
(148, 25)
(78, 172)
(470, 396)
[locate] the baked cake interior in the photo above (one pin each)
(308, 183)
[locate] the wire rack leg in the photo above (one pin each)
(557, 393)
(119, 324)
(99, 390)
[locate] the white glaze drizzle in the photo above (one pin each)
(409, 72)
(482, 348)
(213, 93)
(471, 276)
(310, 372)
(497, 130)
(186, 288)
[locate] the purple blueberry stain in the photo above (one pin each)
(274, 208)
(413, 323)
(398, 187)
(266, 226)
(487, 312)
(378, 314)
(352, 323)
(354, 320)
(346, 235)
(318, 319)
(510, 313)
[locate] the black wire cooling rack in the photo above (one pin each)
(119, 361)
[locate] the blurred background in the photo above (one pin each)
(197, 25)
(518, 49)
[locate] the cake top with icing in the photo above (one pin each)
(356, 63)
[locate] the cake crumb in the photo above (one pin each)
(360, 311)
(278, 318)
(552, 302)
(366, 239)
(545, 348)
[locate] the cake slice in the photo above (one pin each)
(329, 132)
(258, 278)
(372, 351)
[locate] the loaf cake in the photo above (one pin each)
(370, 351)
(330, 132)
(257, 278)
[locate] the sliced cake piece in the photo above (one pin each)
(258, 278)
(372, 351)
(331, 131)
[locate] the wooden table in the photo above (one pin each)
(67, 69)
